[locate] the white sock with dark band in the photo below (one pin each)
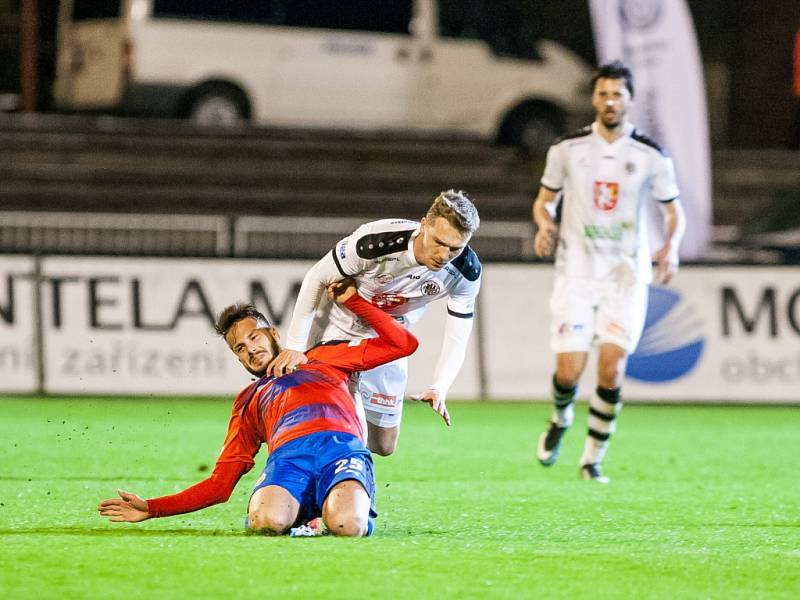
(604, 406)
(563, 404)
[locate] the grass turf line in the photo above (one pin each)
(703, 503)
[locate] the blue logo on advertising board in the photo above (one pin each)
(672, 341)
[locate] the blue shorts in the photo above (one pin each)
(310, 466)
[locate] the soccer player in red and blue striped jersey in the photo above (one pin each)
(318, 463)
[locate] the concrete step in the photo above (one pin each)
(274, 201)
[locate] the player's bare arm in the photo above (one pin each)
(288, 360)
(667, 256)
(128, 508)
(544, 242)
(315, 282)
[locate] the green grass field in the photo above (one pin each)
(704, 503)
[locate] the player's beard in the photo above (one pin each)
(275, 349)
(611, 121)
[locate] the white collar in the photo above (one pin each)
(627, 130)
(411, 257)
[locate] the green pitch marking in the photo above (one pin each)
(703, 503)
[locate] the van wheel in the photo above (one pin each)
(532, 127)
(218, 104)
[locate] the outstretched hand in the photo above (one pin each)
(128, 508)
(436, 401)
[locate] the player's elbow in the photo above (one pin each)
(412, 343)
(223, 485)
(222, 496)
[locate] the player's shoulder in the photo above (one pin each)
(247, 394)
(326, 348)
(325, 358)
(468, 264)
(386, 226)
(640, 138)
(578, 134)
(386, 236)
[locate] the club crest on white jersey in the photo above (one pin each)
(607, 189)
(380, 257)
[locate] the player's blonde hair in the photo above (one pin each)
(457, 209)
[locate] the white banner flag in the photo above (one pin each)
(656, 39)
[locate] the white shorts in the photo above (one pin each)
(381, 392)
(586, 311)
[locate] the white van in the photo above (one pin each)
(460, 65)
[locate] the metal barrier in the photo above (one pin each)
(116, 234)
(205, 236)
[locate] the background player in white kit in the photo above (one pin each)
(608, 174)
(400, 266)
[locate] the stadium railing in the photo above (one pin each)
(207, 236)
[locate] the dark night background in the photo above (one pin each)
(746, 48)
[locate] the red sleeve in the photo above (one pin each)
(394, 341)
(236, 459)
(214, 490)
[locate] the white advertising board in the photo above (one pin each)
(17, 330)
(120, 326)
(136, 326)
(717, 334)
(721, 334)
(144, 326)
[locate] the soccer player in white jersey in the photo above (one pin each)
(400, 266)
(606, 176)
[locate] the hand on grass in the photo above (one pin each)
(128, 508)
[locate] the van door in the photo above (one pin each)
(342, 64)
(481, 55)
(91, 39)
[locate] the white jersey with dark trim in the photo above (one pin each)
(380, 257)
(606, 189)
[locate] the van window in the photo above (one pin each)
(501, 24)
(243, 11)
(86, 10)
(353, 15)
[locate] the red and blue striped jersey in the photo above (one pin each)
(277, 410)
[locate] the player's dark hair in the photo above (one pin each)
(614, 70)
(235, 313)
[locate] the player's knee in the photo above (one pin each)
(346, 523)
(609, 376)
(383, 440)
(268, 524)
(567, 378)
(382, 447)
